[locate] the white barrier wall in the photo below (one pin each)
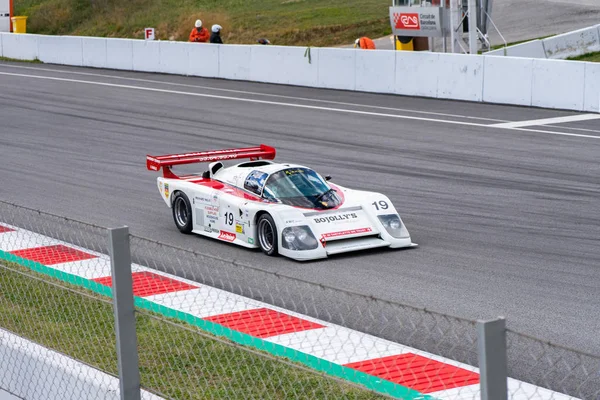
(284, 65)
(20, 47)
(561, 84)
(533, 49)
(204, 60)
(558, 84)
(337, 68)
(66, 50)
(559, 47)
(572, 44)
(94, 52)
(591, 101)
(145, 56)
(234, 61)
(35, 372)
(417, 73)
(508, 80)
(119, 54)
(462, 77)
(375, 71)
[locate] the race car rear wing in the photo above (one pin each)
(154, 163)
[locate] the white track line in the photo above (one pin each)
(275, 103)
(548, 121)
(62, 71)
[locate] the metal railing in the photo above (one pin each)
(187, 349)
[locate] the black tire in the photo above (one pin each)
(182, 212)
(266, 232)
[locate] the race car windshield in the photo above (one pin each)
(300, 187)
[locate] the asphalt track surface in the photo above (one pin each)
(508, 220)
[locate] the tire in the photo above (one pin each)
(267, 235)
(182, 212)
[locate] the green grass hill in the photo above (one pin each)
(285, 22)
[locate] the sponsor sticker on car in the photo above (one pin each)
(227, 236)
(336, 218)
(239, 228)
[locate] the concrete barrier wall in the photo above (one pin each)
(31, 371)
(572, 44)
(93, 52)
(145, 56)
(462, 77)
(533, 49)
(20, 47)
(509, 80)
(559, 47)
(67, 50)
(417, 73)
(558, 84)
(591, 101)
(375, 71)
(204, 60)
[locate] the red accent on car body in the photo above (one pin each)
(155, 163)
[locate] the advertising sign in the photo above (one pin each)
(417, 21)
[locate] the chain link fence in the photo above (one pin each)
(209, 327)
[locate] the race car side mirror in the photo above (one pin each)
(328, 178)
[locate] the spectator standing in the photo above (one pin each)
(364, 43)
(215, 36)
(199, 34)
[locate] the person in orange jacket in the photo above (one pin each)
(364, 43)
(199, 33)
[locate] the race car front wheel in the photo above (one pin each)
(267, 235)
(182, 212)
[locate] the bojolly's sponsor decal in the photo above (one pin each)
(227, 236)
(336, 218)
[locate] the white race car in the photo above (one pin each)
(285, 209)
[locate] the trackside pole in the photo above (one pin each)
(122, 291)
(491, 349)
(473, 47)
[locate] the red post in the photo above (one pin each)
(11, 15)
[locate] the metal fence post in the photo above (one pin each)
(491, 348)
(122, 291)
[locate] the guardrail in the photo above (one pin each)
(557, 84)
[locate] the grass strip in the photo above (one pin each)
(590, 57)
(284, 22)
(36, 61)
(176, 360)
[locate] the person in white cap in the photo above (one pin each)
(199, 33)
(215, 36)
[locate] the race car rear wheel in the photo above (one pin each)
(182, 212)
(267, 235)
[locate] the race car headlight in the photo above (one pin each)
(298, 238)
(393, 225)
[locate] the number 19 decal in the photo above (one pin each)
(228, 218)
(381, 204)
